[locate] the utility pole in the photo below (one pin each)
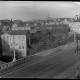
(14, 57)
(77, 56)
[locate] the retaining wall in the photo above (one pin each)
(44, 53)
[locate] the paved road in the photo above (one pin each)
(47, 68)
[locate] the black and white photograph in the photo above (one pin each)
(40, 39)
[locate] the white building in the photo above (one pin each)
(76, 25)
(65, 21)
(17, 40)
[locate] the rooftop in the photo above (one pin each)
(19, 32)
(78, 20)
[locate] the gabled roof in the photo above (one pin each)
(19, 32)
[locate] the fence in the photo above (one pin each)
(44, 53)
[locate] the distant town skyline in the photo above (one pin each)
(28, 10)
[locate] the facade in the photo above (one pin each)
(65, 21)
(17, 40)
(75, 25)
(19, 25)
(15, 25)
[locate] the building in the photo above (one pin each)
(20, 28)
(17, 40)
(16, 27)
(65, 21)
(75, 27)
(19, 25)
(75, 21)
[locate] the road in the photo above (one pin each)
(47, 68)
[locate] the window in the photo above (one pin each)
(7, 37)
(19, 47)
(23, 47)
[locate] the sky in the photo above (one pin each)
(28, 10)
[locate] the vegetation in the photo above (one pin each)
(46, 39)
(42, 40)
(6, 59)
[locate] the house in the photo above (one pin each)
(17, 40)
(20, 28)
(75, 20)
(19, 25)
(76, 26)
(16, 27)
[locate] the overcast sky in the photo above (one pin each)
(27, 10)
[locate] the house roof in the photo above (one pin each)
(33, 31)
(62, 19)
(78, 20)
(19, 32)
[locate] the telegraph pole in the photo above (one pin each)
(14, 57)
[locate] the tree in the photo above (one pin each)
(5, 46)
(0, 48)
(6, 25)
(47, 39)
